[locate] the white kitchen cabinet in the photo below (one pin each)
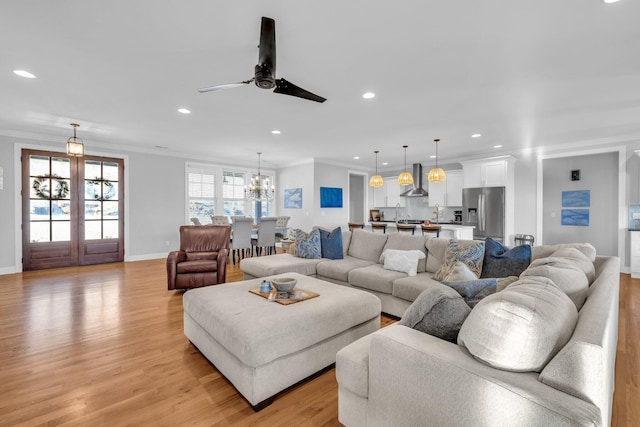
(635, 254)
(449, 192)
(388, 195)
(493, 172)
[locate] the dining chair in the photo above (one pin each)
(219, 220)
(266, 235)
(281, 226)
(241, 237)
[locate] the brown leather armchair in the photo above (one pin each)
(202, 258)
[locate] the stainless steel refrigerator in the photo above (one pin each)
(483, 208)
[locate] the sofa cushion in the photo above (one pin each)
(439, 311)
(503, 282)
(546, 250)
(346, 241)
(374, 277)
(470, 254)
(331, 243)
(307, 245)
(459, 273)
(409, 288)
(403, 261)
(473, 291)
(521, 328)
(436, 248)
(197, 266)
(261, 266)
(578, 259)
(338, 269)
(565, 274)
(407, 242)
(366, 245)
(500, 261)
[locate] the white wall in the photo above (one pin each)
(7, 207)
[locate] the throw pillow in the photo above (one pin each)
(404, 261)
(474, 290)
(439, 311)
(307, 245)
(331, 243)
(500, 261)
(471, 254)
(521, 328)
(460, 273)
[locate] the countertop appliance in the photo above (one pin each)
(483, 208)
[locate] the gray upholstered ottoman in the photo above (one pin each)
(264, 347)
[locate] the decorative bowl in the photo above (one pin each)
(284, 284)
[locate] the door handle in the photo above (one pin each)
(481, 213)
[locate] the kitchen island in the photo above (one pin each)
(447, 230)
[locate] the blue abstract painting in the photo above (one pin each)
(576, 217)
(576, 199)
(293, 198)
(330, 197)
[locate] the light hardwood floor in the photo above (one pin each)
(103, 345)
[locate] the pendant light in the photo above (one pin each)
(75, 146)
(436, 174)
(376, 180)
(405, 177)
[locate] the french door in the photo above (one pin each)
(72, 210)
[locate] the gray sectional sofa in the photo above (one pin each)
(361, 266)
(539, 352)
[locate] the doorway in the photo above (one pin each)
(72, 210)
(356, 197)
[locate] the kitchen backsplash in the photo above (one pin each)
(418, 208)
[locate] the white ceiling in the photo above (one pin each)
(522, 73)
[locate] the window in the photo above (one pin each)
(201, 195)
(233, 185)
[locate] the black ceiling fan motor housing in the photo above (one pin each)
(264, 78)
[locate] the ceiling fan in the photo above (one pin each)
(265, 70)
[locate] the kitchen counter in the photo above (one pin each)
(448, 230)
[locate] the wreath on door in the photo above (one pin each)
(41, 188)
(109, 192)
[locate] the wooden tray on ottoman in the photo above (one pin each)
(290, 299)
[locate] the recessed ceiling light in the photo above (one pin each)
(368, 95)
(276, 132)
(476, 135)
(23, 73)
(386, 163)
(356, 157)
(432, 157)
(497, 146)
(184, 111)
(610, 1)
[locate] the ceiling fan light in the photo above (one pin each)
(437, 175)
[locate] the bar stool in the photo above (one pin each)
(431, 229)
(406, 228)
(379, 226)
(354, 225)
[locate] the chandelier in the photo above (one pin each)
(260, 190)
(75, 146)
(437, 174)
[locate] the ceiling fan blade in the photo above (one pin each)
(267, 53)
(224, 86)
(287, 88)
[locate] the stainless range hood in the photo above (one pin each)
(417, 190)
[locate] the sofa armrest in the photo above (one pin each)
(415, 377)
(173, 259)
(223, 255)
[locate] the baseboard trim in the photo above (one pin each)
(9, 270)
(145, 257)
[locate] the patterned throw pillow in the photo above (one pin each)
(307, 245)
(500, 261)
(471, 255)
